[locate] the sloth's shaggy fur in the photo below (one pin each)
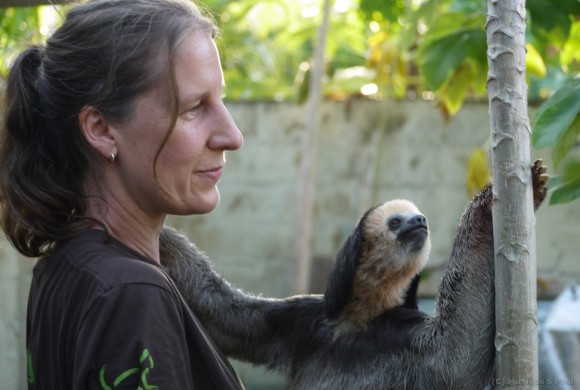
(366, 331)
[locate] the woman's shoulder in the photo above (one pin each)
(100, 259)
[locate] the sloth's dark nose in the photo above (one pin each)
(418, 220)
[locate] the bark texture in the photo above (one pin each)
(512, 210)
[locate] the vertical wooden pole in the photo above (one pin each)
(513, 212)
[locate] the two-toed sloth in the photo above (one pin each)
(366, 331)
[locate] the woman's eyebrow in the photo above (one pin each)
(194, 97)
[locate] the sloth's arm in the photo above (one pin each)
(235, 320)
(459, 340)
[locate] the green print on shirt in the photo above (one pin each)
(145, 357)
(31, 374)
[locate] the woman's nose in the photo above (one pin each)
(226, 136)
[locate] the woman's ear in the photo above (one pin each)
(97, 131)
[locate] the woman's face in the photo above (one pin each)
(191, 162)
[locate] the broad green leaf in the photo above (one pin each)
(477, 171)
(534, 62)
(448, 45)
(469, 6)
(566, 141)
(479, 81)
(453, 92)
(567, 186)
(556, 115)
(566, 193)
(448, 23)
(570, 55)
(391, 9)
(572, 171)
(555, 182)
(551, 19)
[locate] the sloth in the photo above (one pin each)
(366, 331)
(377, 269)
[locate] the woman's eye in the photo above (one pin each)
(192, 111)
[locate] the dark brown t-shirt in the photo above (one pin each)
(100, 316)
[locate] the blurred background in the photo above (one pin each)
(345, 104)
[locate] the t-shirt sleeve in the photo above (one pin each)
(133, 337)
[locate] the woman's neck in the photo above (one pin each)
(126, 223)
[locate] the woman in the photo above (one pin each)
(115, 123)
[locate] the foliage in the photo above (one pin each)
(477, 171)
(557, 124)
(446, 40)
(567, 186)
(18, 27)
(267, 47)
(434, 49)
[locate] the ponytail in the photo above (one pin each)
(22, 98)
(32, 191)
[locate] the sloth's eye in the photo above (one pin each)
(394, 223)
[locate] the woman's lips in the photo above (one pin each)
(212, 174)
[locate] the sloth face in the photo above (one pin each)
(398, 236)
(395, 246)
(411, 230)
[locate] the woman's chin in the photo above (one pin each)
(202, 204)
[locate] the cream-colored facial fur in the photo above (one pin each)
(386, 267)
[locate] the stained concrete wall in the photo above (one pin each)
(368, 152)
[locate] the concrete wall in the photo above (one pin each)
(368, 152)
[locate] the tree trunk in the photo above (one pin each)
(513, 212)
(305, 204)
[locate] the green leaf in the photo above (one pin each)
(567, 186)
(556, 115)
(446, 23)
(453, 92)
(534, 62)
(572, 171)
(570, 55)
(566, 193)
(469, 6)
(555, 182)
(447, 46)
(566, 141)
(18, 26)
(391, 9)
(477, 171)
(551, 19)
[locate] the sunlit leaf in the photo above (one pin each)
(551, 19)
(447, 47)
(556, 115)
(566, 193)
(477, 171)
(18, 28)
(566, 141)
(391, 10)
(453, 92)
(566, 187)
(469, 6)
(570, 55)
(265, 18)
(534, 61)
